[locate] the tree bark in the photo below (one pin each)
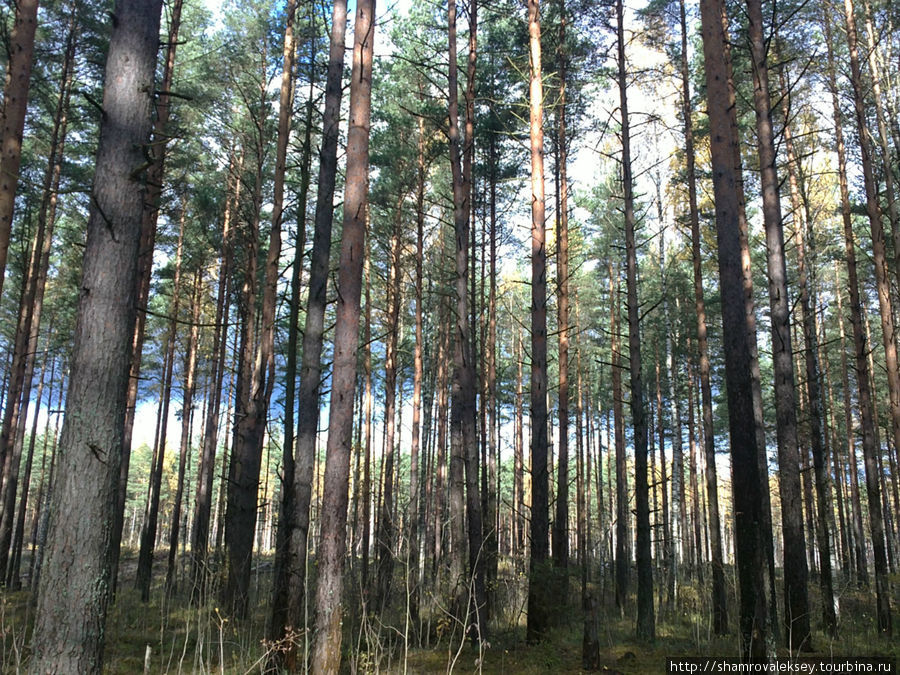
(539, 600)
(747, 486)
(74, 590)
(190, 377)
(646, 629)
(15, 105)
(326, 656)
(796, 573)
(870, 449)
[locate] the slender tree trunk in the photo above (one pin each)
(252, 416)
(15, 105)
(278, 621)
(368, 402)
(519, 458)
(415, 460)
(151, 510)
(326, 656)
(463, 467)
(646, 629)
(803, 227)
(539, 602)
(25, 342)
(561, 521)
(206, 471)
(13, 581)
(384, 538)
(190, 376)
(870, 449)
(74, 590)
(623, 548)
(469, 379)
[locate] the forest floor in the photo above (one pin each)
(168, 636)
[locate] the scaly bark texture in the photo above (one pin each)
(314, 326)
(750, 546)
(326, 656)
(75, 586)
(796, 599)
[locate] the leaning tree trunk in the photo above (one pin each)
(74, 591)
(326, 656)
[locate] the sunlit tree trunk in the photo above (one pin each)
(74, 589)
(796, 573)
(719, 601)
(747, 487)
(539, 599)
(326, 655)
(870, 450)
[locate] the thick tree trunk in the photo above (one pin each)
(748, 482)
(326, 656)
(74, 591)
(314, 327)
(796, 573)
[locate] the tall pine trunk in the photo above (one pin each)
(539, 595)
(796, 573)
(15, 105)
(74, 590)
(646, 629)
(754, 629)
(326, 656)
